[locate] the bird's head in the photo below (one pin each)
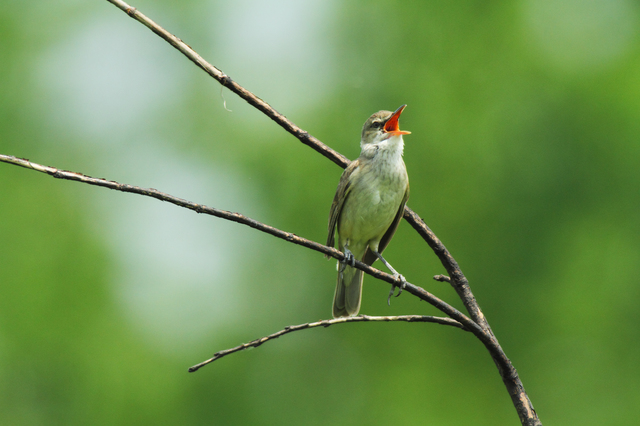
(381, 126)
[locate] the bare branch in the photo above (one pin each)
(327, 323)
(459, 282)
(244, 220)
(227, 82)
(457, 278)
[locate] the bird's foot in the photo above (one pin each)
(349, 258)
(403, 282)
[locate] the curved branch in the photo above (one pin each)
(326, 323)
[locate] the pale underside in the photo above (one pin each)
(366, 210)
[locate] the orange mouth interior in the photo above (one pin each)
(393, 126)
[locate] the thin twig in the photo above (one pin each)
(327, 323)
(442, 278)
(227, 82)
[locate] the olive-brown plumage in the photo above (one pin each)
(368, 205)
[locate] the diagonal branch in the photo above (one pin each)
(326, 323)
(456, 277)
(226, 81)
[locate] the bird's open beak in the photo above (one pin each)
(392, 126)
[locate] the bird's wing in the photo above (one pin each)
(344, 187)
(369, 257)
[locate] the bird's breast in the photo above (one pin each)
(377, 190)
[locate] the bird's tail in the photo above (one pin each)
(346, 300)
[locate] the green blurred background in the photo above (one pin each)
(524, 159)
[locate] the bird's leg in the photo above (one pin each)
(395, 273)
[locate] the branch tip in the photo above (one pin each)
(442, 278)
(326, 323)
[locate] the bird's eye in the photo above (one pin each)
(376, 124)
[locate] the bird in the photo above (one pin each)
(368, 206)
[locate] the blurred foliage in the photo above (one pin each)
(523, 158)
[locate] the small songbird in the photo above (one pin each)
(368, 206)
